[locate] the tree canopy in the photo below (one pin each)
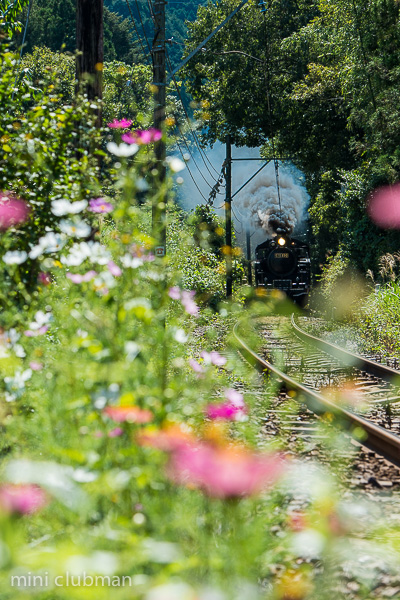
(321, 79)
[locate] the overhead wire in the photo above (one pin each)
(190, 172)
(22, 45)
(266, 72)
(188, 148)
(194, 135)
(145, 54)
(141, 22)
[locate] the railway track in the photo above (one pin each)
(327, 365)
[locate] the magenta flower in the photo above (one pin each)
(122, 124)
(44, 278)
(224, 472)
(234, 409)
(22, 499)
(213, 358)
(384, 206)
(13, 211)
(36, 366)
(99, 205)
(77, 278)
(115, 432)
(144, 136)
(114, 269)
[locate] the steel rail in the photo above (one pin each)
(376, 438)
(349, 358)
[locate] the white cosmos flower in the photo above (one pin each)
(132, 262)
(93, 251)
(15, 257)
(122, 149)
(41, 318)
(51, 242)
(64, 207)
(77, 229)
(16, 385)
(175, 164)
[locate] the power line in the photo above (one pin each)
(22, 45)
(141, 22)
(190, 173)
(136, 30)
(194, 135)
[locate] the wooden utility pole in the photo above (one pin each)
(89, 40)
(159, 83)
(248, 253)
(228, 216)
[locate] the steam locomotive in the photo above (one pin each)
(283, 263)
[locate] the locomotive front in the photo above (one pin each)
(283, 263)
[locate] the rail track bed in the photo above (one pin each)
(359, 394)
(361, 474)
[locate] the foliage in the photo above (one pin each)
(111, 465)
(10, 11)
(321, 78)
(52, 23)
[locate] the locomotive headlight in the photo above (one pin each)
(281, 241)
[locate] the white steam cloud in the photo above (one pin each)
(256, 208)
(272, 211)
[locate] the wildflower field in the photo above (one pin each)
(132, 462)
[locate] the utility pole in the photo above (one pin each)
(89, 40)
(248, 249)
(159, 83)
(228, 216)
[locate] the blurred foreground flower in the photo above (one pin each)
(122, 124)
(234, 409)
(13, 211)
(99, 205)
(168, 439)
(224, 472)
(186, 298)
(213, 358)
(21, 499)
(145, 136)
(129, 414)
(384, 206)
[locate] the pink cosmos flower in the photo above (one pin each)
(36, 332)
(224, 472)
(213, 358)
(197, 368)
(145, 136)
(188, 303)
(114, 269)
(36, 366)
(44, 278)
(122, 124)
(129, 414)
(234, 409)
(384, 206)
(98, 434)
(142, 252)
(77, 278)
(234, 397)
(174, 293)
(13, 211)
(115, 432)
(99, 205)
(22, 499)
